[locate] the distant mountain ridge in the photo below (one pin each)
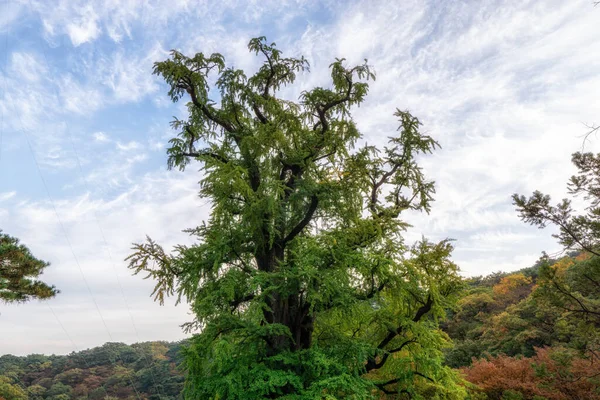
(139, 371)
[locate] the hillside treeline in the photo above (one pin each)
(142, 371)
(531, 335)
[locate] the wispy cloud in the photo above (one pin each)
(100, 137)
(122, 219)
(11, 11)
(504, 86)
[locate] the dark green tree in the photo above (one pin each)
(18, 272)
(577, 231)
(300, 281)
(572, 286)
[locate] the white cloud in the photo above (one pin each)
(501, 96)
(100, 137)
(130, 78)
(7, 195)
(85, 26)
(156, 144)
(131, 145)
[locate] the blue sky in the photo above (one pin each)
(506, 87)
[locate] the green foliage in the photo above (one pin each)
(512, 395)
(495, 316)
(36, 392)
(576, 231)
(18, 270)
(570, 289)
(300, 281)
(59, 388)
(11, 391)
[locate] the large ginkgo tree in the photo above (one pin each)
(300, 282)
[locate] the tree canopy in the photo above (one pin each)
(18, 272)
(572, 287)
(577, 230)
(300, 281)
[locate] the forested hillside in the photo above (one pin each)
(115, 370)
(530, 335)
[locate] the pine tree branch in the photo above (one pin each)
(564, 291)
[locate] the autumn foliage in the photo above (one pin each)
(553, 374)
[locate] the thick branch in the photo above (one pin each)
(381, 386)
(377, 185)
(374, 290)
(399, 348)
(333, 103)
(205, 110)
(423, 376)
(271, 73)
(236, 303)
(372, 364)
(217, 157)
(314, 202)
(322, 111)
(424, 309)
(261, 117)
